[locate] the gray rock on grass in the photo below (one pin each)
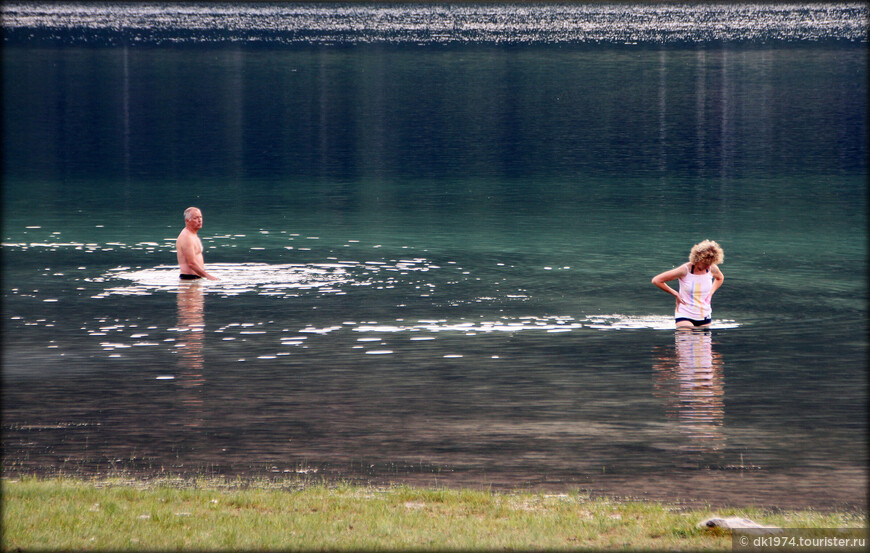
(738, 523)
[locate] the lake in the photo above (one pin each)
(435, 228)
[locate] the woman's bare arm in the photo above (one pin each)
(662, 279)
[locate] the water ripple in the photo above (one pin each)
(236, 278)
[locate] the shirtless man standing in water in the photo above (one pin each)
(189, 247)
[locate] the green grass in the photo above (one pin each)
(116, 514)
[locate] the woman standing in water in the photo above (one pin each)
(699, 280)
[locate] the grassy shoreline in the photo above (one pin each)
(219, 514)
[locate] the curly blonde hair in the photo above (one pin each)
(707, 253)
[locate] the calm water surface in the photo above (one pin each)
(435, 254)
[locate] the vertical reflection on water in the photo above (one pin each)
(191, 326)
(663, 104)
(765, 118)
(725, 147)
(692, 385)
(700, 108)
(323, 87)
(235, 107)
(126, 117)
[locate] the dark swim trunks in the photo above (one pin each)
(185, 276)
(694, 322)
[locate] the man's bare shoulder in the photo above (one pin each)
(184, 236)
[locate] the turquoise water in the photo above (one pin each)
(435, 255)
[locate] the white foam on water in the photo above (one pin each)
(530, 323)
(275, 280)
(234, 279)
(652, 322)
(326, 330)
(627, 322)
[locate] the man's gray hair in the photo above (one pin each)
(188, 213)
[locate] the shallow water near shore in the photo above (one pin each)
(435, 263)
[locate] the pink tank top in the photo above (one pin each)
(694, 290)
